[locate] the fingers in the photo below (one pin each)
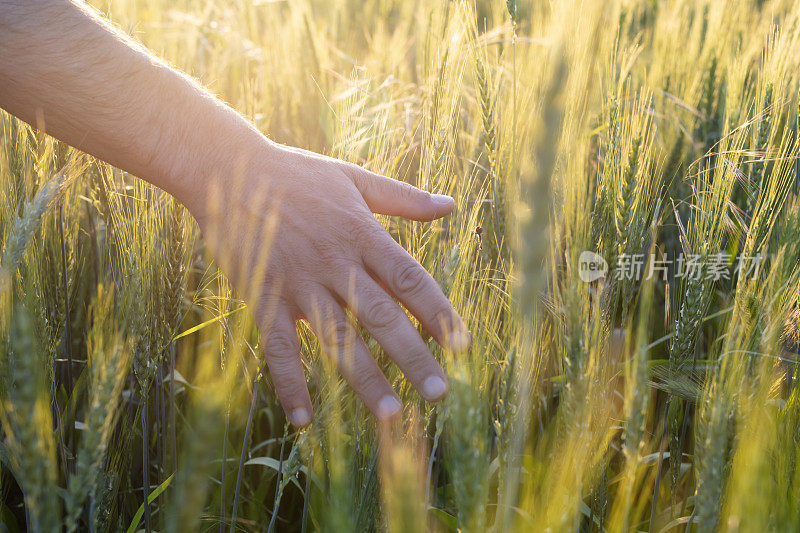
(390, 326)
(340, 341)
(418, 291)
(387, 196)
(282, 352)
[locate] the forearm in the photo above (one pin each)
(67, 72)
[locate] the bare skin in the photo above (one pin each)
(293, 230)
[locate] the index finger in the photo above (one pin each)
(416, 289)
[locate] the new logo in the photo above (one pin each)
(591, 266)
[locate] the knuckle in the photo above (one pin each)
(418, 364)
(410, 192)
(344, 270)
(327, 250)
(442, 319)
(381, 313)
(290, 393)
(286, 381)
(365, 380)
(337, 334)
(364, 232)
(410, 278)
(280, 344)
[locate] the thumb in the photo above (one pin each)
(387, 196)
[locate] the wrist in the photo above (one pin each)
(218, 152)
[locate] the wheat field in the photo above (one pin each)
(625, 250)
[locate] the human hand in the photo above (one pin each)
(296, 235)
(291, 229)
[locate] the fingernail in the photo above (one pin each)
(388, 407)
(299, 417)
(443, 200)
(459, 340)
(434, 388)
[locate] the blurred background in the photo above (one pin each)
(133, 395)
